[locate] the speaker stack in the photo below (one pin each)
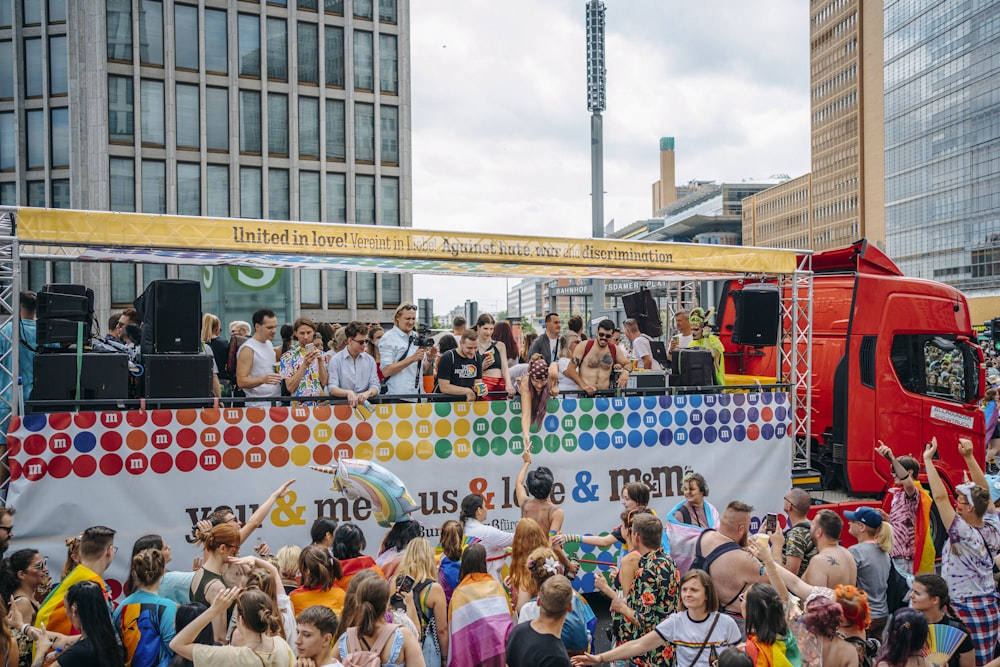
(758, 313)
(175, 366)
(61, 310)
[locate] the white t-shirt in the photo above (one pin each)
(687, 636)
(684, 341)
(640, 349)
(263, 364)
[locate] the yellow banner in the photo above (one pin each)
(266, 237)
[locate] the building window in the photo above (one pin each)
(277, 124)
(308, 49)
(59, 122)
(60, 199)
(336, 133)
(387, 11)
(154, 186)
(390, 201)
(277, 49)
(277, 194)
(122, 184)
(57, 66)
(364, 133)
(36, 193)
(333, 55)
(249, 43)
(217, 180)
(309, 196)
(36, 139)
(62, 272)
(32, 12)
(33, 275)
(333, 7)
(151, 272)
(364, 61)
(336, 198)
(152, 128)
(364, 200)
(186, 36)
(309, 284)
(389, 126)
(34, 84)
(188, 188)
(251, 205)
(119, 26)
(250, 126)
(363, 9)
(217, 119)
(8, 142)
(392, 290)
(7, 71)
(216, 41)
(120, 109)
(336, 289)
(151, 32)
(7, 17)
(366, 289)
(188, 113)
(388, 65)
(309, 127)
(57, 11)
(122, 285)
(8, 194)
(310, 5)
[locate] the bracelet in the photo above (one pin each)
(24, 628)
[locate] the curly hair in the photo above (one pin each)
(823, 617)
(854, 604)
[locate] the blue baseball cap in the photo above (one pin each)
(865, 515)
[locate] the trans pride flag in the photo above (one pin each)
(679, 538)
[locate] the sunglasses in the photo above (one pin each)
(408, 307)
(359, 341)
(605, 336)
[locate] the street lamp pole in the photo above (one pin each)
(596, 84)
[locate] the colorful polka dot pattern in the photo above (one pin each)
(162, 441)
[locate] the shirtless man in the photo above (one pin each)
(590, 367)
(731, 567)
(833, 565)
(533, 496)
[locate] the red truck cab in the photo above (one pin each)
(894, 359)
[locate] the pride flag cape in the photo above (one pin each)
(679, 538)
(351, 566)
(782, 653)
(52, 613)
(923, 550)
(479, 620)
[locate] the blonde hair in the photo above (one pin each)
(209, 323)
(418, 560)
(882, 535)
(288, 560)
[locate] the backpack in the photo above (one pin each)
(590, 344)
(359, 657)
(897, 591)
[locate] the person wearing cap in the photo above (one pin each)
(973, 541)
(705, 339)
(909, 515)
(871, 555)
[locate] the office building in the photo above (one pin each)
(285, 110)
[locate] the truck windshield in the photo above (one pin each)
(941, 366)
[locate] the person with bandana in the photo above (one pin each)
(536, 388)
(704, 338)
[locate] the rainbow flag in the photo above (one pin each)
(52, 613)
(679, 538)
(351, 566)
(782, 653)
(479, 620)
(923, 550)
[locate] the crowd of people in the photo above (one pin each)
(481, 596)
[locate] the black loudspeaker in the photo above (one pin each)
(102, 376)
(642, 306)
(692, 367)
(758, 312)
(178, 376)
(60, 308)
(171, 317)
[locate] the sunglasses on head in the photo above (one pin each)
(409, 307)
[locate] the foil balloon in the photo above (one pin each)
(357, 478)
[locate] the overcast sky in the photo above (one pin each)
(501, 131)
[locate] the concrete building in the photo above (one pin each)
(942, 146)
(279, 110)
(665, 189)
(779, 217)
(845, 191)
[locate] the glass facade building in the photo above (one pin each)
(942, 141)
(284, 109)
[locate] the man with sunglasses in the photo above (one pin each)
(352, 371)
(591, 364)
(403, 362)
(6, 527)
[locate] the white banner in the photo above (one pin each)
(159, 471)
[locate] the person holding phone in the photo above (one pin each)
(301, 369)
(353, 373)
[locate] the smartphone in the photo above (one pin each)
(406, 585)
(310, 347)
(770, 523)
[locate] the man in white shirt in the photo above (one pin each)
(641, 351)
(255, 361)
(403, 363)
(352, 371)
(547, 344)
(684, 335)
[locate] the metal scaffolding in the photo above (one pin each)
(10, 279)
(796, 365)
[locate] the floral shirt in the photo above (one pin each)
(310, 385)
(655, 595)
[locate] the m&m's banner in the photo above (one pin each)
(160, 471)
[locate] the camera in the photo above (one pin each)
(422, 337)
